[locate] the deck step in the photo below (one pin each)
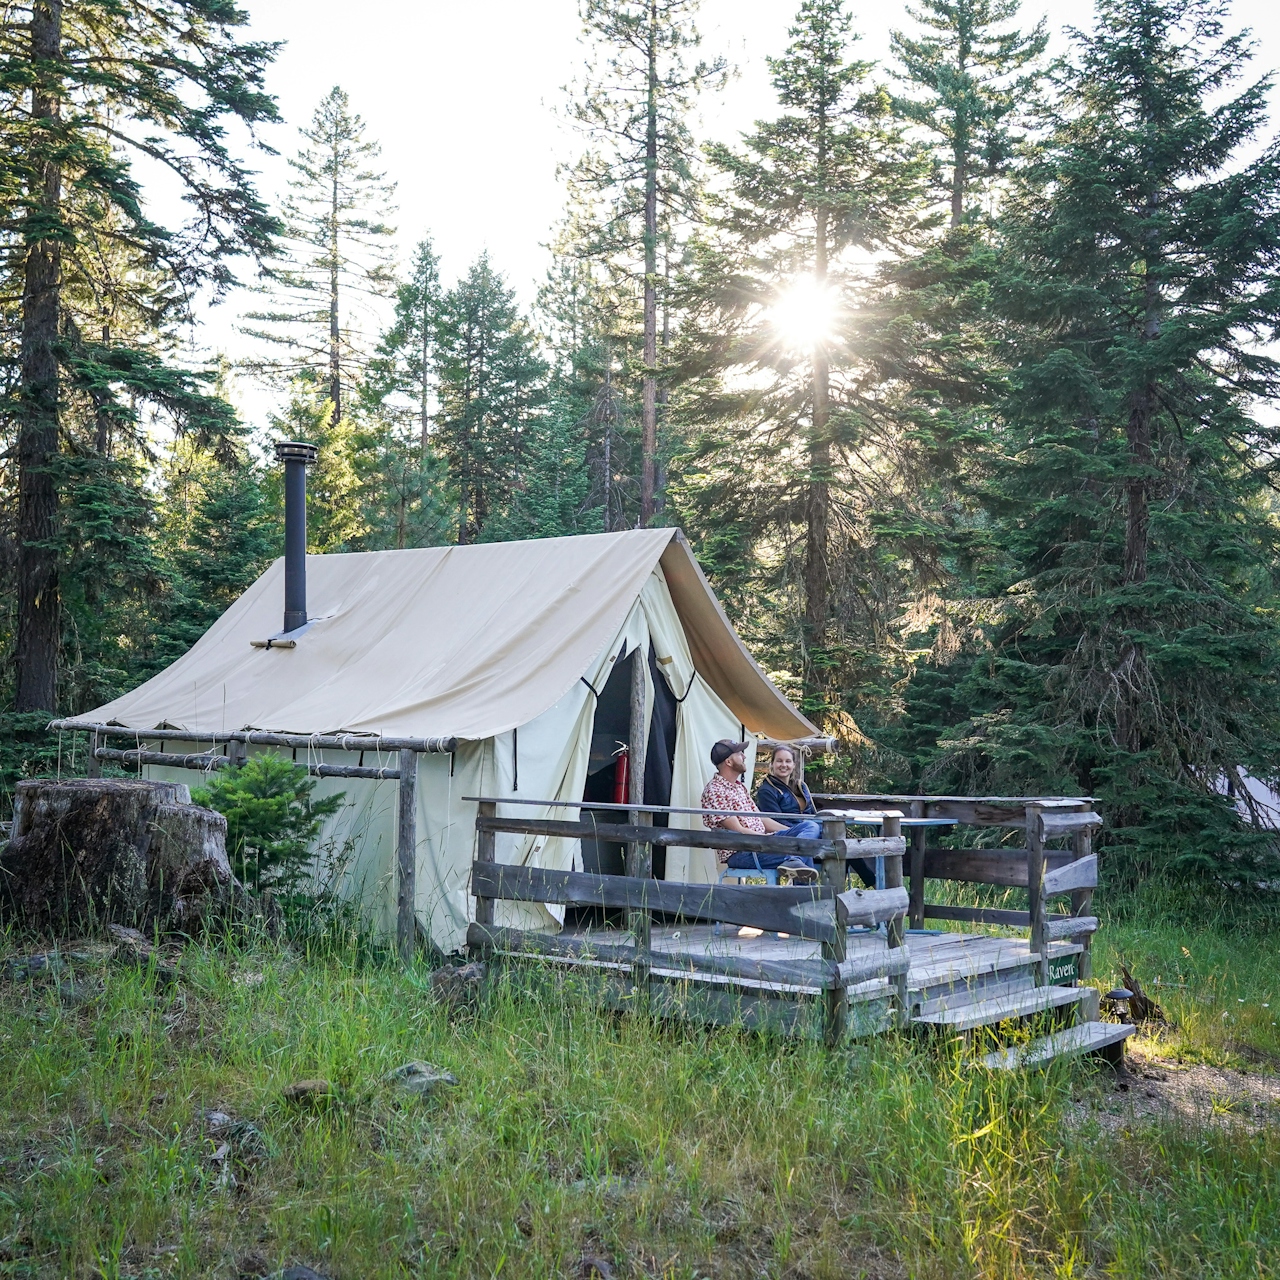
(1000, 1008)
(1106, 1038)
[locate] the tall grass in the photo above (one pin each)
(670, 1150)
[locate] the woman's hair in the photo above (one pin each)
(791, 783)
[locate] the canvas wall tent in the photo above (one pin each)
(505, 647)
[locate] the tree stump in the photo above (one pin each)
(90, 852)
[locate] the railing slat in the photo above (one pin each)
(802, 911)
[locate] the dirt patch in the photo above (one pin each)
(1155, 1088)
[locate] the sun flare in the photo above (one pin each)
(805, 313)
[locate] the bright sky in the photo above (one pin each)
(463, 98)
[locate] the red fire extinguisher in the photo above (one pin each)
(621, 777)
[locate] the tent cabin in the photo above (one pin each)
(494, 670)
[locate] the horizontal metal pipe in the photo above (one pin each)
(205, 763)
(317, 741)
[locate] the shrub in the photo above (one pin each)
(272, 819)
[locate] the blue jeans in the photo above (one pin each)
(806, 829)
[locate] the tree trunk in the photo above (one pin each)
(1139, 433)
(818, 503)
(38, 621)
(1138, 519)
(960, 138)
(91, 852)
(608, 440)
(958, 179)
(335, 336)
(423, 401)
(649, 386)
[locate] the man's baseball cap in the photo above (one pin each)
(724, 749)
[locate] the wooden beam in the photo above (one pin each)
(407, 858)
(806, 746)
(986, 866)
(870, 906)
(1057, 824)
(258, 737)
(1080, 874)
(892, 830)
(1035, 892)
(667, 837)
(873, 846)
(834, 875)
(978, 915)
(919, 841)
(485, 854)
(173, 760)
(639, 862)
(1082, 901)
(1070, 927)
(802, 911)
(203, 763)
(796, 973)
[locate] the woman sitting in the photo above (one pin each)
(781, 792)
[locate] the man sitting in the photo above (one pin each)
(726, 791)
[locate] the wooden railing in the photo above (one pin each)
(821, 912)
(1045, 872)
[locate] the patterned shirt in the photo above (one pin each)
(721, 793)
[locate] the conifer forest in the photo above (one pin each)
(958, 368)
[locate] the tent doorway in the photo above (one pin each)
(607, 767)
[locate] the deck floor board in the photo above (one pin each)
(936, 960)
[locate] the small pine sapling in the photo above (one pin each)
(272, 819)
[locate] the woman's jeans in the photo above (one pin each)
(806, 829)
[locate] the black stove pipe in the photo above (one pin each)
(297, 457)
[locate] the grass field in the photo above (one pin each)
(580, 1143)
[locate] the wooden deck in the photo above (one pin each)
(952, 978)
(824, 960)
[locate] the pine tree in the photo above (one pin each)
(217, 533)
(492, 386)
(1134, 565)
(90, 86)
(636, 184)
(811, 195)
(339, 256)
(336, 514)
(404, 364)
(586, 321)
(979, 78)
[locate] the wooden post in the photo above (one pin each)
(893, 880)
(835, 873)
(485, 846)
(407, 851)
(93, 768)
(1082, 901)
(1035, 893)
(639, 855)
(237, 753)
(919, 839)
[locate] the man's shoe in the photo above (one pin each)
(796, 873)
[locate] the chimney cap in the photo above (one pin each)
(296, 451)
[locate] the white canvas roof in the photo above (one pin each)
(466, 642)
